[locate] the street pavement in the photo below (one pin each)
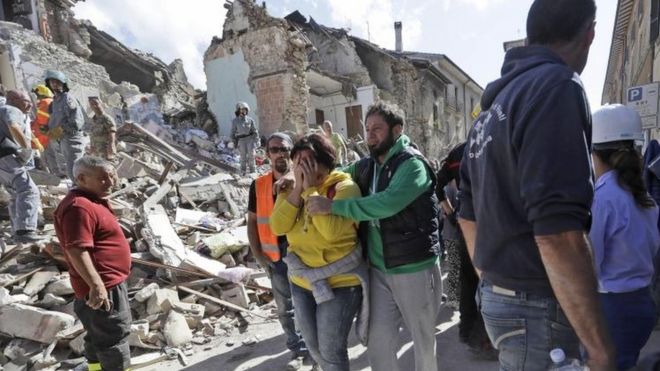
(269, 352)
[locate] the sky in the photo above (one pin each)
(469, 32)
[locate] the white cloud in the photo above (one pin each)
(374, 20)
(168, 29)
(478, 4)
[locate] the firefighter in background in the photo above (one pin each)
(39, 125)
(66, 121)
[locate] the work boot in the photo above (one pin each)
(26, 236)
(295, 363)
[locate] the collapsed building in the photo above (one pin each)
(296, 73)
(139, 87)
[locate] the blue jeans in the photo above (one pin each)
(630, 319)
(325, 326)
(524, 328)
(282, 296)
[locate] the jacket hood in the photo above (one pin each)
(402, 142)
(516, 62)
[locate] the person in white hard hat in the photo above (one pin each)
(245, 136)
(624, 231)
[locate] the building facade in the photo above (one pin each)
(295, 73)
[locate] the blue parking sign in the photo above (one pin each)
(634, 94)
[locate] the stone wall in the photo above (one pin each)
(274, 59)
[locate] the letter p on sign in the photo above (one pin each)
(634, 94)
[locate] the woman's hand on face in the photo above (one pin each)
(298, 175)
(310, 171)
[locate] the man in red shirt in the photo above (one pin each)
(99, 264)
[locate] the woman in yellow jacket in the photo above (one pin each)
(320, 246)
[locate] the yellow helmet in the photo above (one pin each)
(42, 91)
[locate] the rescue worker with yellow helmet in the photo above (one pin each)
(39, 125)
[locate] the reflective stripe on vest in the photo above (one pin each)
(265, 205)
(42, 111)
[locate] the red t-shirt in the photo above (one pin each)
(87, 222)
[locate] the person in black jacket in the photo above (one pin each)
(471, 327)
(526, 193)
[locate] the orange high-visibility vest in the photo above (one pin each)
(265, 205)
(40, 124)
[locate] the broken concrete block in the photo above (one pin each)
(20, 350)
(139, 332)
(194, 313)
(22, 299)
(60, 287)
(263, 282)
(164, 243)
(228, 260)
(77, 345)
(50, 301)
(207, 327)
(176, 330)
(13, 366)
(236, 295)
(71, 332)
(5, 297)
(23, 321)
(45, 363)
(39, 280)
(145, 293)
(156, 303)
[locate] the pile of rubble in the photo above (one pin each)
(184, 216)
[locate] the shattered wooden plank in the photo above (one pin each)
(225, 304)
(131, 129)
(130, 188)
(163, 176)
(232, 204)
(154, 264)
(22, 277)
(164, 189)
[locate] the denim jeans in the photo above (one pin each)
(325, 326)
(630, 319)
(282, 296)
(525, 327)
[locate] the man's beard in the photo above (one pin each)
(281, 167)
(384, 147)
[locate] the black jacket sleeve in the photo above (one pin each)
(553, 141)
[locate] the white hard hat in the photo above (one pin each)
(616, 122)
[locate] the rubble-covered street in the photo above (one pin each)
(200, 226)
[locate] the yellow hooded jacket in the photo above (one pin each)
(322, 239)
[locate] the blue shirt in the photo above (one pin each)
(625, 237)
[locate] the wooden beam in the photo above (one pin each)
(221, 302)
(163, 176)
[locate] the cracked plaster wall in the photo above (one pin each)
(275, 60)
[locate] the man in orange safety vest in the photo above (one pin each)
(267, 248)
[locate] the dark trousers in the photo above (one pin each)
(106, 341)
(471, 328)
(630, 319)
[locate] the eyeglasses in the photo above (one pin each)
(276, 150)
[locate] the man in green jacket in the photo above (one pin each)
(400, 227)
